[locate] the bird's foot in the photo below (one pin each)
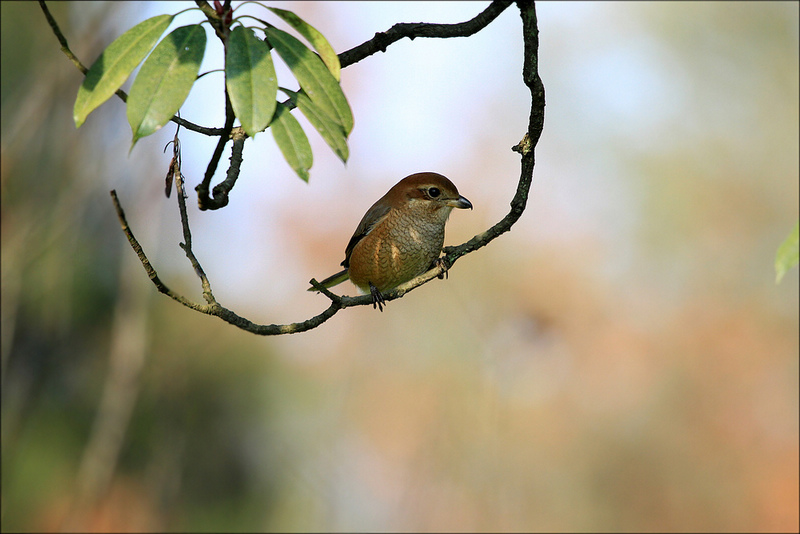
(443, 264)
(377, 298)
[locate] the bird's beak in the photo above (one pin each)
(460, 202)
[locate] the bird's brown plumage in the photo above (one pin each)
(401, 235)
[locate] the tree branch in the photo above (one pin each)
(382, 40)
(221, 190)
(530, 76)
(61, 39)
(204, 202)
(213, 307)
(530, 35)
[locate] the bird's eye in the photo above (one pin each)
(434, 192)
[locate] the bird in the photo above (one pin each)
(400, 236)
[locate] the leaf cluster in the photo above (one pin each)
(172, 65)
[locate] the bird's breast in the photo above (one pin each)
(398, 249)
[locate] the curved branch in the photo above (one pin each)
(530, 76)
(530, 35)
(213, 307)
(382, 40)
(205, 202)
(221, 190)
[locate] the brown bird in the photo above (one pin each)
(400, 236)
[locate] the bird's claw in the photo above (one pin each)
(445, 269)
(377, 298)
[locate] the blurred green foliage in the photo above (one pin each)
(787, 255)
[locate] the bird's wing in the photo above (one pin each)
(371, 219)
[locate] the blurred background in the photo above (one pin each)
(621, 361)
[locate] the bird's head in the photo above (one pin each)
(428, 192)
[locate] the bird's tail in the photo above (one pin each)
(333, 280)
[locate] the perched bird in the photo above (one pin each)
(400, 236)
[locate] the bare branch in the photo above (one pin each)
(530, 75)
(213, 307)
(151, 272)
(187, 237)
(382, 40)
(222, 189)
(205, 202)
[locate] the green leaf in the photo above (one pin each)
(292, 141)
(165, 79)
(317, 40)
(315, 79)
(788, 255)
(115, 64)
(251, 80)
(332, 133)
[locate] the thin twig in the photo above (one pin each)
(187, 233)
(151, 272)
(61, 39)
